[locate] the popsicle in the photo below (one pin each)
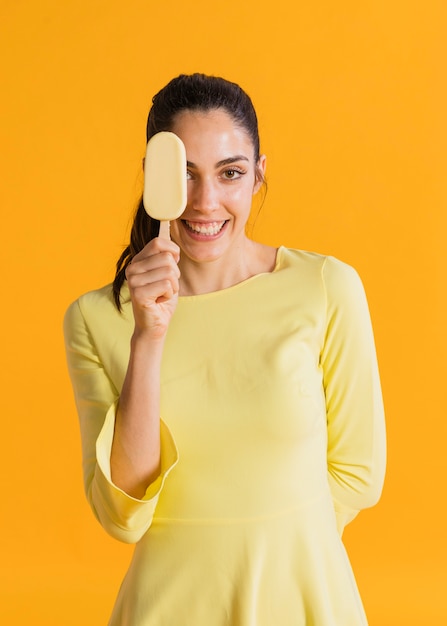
(165, 195)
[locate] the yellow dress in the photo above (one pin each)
(272, 440)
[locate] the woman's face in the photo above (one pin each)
(221, 183)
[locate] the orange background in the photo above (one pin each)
(352, 102)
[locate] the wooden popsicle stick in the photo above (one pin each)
(165, 229)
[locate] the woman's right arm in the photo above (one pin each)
(119, 417)
(153, 280)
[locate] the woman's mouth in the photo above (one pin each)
(205, 229)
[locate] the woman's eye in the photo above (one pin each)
(232, 173)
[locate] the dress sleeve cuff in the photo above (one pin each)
(343, 517)
(123, 516)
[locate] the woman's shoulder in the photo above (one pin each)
(97, 304)
(297, 257)
(94, 299)
(334, 275)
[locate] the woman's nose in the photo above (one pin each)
(204, 196)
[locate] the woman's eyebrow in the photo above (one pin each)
(228, 161)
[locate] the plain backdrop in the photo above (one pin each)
(351, 98)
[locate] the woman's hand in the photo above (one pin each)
(153, 280)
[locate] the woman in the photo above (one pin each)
(229, 398)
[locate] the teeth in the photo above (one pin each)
(205, 229)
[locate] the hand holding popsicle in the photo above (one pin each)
(153, 281)
(153, 274)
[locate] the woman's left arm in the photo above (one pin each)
(356, 453)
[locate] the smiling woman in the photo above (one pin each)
(205, 101)
(229, 398)
(223, 175)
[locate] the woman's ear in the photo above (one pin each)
(260, 173)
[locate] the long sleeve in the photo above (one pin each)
(356, 452)
(87, 324)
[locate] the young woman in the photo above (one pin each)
(229, 398)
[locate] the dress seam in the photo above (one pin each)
(243, 520)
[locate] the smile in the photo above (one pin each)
(209, 229)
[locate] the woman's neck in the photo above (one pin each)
(246, 261)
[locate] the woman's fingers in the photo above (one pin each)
(156, 291)
(158, 246)
(153, 280)
(155, 276)
(151, 267)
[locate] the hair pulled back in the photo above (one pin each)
(194, 92)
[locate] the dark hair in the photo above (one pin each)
(195, 92)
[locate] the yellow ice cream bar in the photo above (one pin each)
(165, 194)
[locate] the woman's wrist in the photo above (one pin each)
(148, 340)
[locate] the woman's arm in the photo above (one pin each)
(95, 340)
(153, 280)
(355, 418)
